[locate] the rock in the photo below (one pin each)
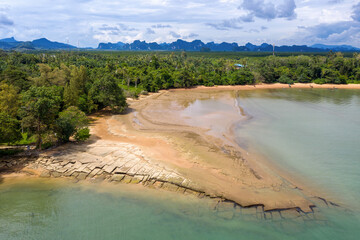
(63, 163)
(82, 168)
(92, 166)
(137, 179)
(127, 166)
(147, 170)
(68, 173)
(170, 187)
(157, 184)
(163, 176)
(190, 192)
(77, 165)
(68, 166)
(109, 169)
(201, 195)
(145, 178)
(117, 177)
(126, 179)
(87, 158)
(45, 174)
(61, 170)
(177, 180)
(134, 169)
(100, 177)
(181, 190)
(82, 176)
(149, 183)
(155, 174)
(94, 172)
(55, 174)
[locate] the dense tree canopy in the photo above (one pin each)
(49, 93)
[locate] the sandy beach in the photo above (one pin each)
(281, 85)
(156, 145)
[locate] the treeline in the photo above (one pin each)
(47, 94)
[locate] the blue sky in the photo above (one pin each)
(88, 22)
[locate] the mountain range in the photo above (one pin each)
(38, 44)
(179, 45)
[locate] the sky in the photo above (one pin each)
(86, 23)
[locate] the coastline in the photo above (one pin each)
(282, 85)
(186, 155)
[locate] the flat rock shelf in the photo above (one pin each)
(126, 163)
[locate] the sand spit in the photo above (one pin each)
(152, 145)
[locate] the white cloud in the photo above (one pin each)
(94, 21)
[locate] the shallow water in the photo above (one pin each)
(47, 209)
(313, 134)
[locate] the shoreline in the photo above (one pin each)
(278, 85)
(174, 157)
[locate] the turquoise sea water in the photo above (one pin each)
(313, 134)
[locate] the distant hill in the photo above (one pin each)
(8, 43)
(43, 43)
(197, 45)
(178, 45)
(9, 40)
(340, 48)
(113, 46)
(38, 44)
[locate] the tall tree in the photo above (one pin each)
(70, 122)
(9, 105)
(9, 128)
(40, 107)
(106, 92)
(9, 100)
(13, 75)
(48, 77)
(75, 87)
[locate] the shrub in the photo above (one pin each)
(285, 79)
(320, 81)
(69, 122)
(82, 134)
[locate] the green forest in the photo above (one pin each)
(45, 97)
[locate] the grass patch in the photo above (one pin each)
(131, 91)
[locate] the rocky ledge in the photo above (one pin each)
(126, 163)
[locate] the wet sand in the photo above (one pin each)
(215, 163)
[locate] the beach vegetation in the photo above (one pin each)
(70, 122)
(82, 134)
